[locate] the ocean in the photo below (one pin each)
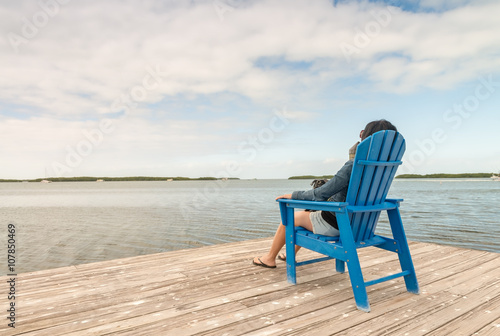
(67, 223)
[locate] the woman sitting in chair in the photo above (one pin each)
(319, 222)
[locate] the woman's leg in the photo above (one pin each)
(301, 219)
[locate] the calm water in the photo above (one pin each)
(60, 224)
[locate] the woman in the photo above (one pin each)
(319, 222)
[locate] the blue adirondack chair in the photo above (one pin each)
(374, 168)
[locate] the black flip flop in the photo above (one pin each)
(262, 264)
(282, 258)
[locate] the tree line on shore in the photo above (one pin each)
(402, 176)
(208, 178)
(443, 175)
(311, 177)
(129, 178)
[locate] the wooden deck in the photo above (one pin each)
(215, 290)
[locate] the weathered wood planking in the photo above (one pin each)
(215, 290)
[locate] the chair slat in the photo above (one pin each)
(369, 182)
(378, 184)
(371, 178)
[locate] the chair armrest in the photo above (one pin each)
(373, 208)
(394, 200)
(314, 205)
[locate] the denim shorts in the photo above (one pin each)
(320, 226)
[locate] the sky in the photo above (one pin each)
(247, 89)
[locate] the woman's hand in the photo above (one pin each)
(289, 196)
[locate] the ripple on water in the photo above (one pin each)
(61, 224)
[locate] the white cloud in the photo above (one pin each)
(90, 53)
(91, 56)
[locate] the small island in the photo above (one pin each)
(310, 177)
(443, 175)
(403, 176)
(114, 179)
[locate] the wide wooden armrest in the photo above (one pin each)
(313, 205)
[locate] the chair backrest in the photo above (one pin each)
(375, 164)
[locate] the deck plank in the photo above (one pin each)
(215, 290)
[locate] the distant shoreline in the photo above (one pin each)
(209, 178)
(403, 176)
(114, 179)
(443, 175)
(311, 177)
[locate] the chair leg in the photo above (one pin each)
(358, 285)
(290, 247)
(339, 266)
(410, 279)
(404, 251)
(291, 268)
(353, 265)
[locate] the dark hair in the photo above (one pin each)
(377, 125)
